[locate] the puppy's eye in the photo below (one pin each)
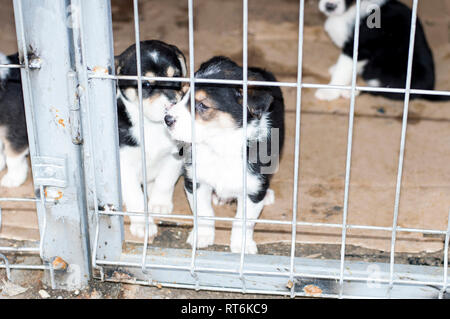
(202, 107)
(146, 85)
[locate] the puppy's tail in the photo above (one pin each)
(435, 98)
(401, 97)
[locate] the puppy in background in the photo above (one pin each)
(163, 162)
(219, 144)
(13, 129)
(382, 51)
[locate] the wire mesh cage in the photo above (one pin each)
(92, 80)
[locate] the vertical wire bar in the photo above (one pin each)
(402, 144)
(297, 143)
(447, 237)
(244, 140)
(193, 147)
(52, 275)
(141, 128)
(8, 270)
(96, 237)
(44, 221)
(349, 146)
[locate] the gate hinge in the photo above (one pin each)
(49, 171)
(74, 108)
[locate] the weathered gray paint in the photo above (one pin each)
(93, 49)
(270, 274)
(42, 30)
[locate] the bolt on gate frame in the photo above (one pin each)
(67, 61)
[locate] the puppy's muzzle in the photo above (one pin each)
(169, 120)
(330, 7)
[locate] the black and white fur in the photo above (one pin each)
(13, 130)
(383, 50)
(218, 140)
(163, 164)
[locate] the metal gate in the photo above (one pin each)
(68, 63)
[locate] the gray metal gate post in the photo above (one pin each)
(93, 46)
(45, 48)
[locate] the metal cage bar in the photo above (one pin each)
(192, 267)
(271, 83)
(141, 128)
(349, 145)
(403, 140)
(298, 108)
(244, 139)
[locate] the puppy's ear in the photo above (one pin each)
(182, 60)
(117, 65)
(258, 101)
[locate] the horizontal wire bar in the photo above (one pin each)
(281, 222)
(270, 83)
(18, 199)
(11, 66)
(249, 291)
(19, 249)
(234, 290)
(286, 274)
(135, 77)
(26, 267)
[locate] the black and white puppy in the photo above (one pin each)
(163, 164)
(13, 130)
(218, 141)
(383, 48)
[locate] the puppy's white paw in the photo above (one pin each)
(2, 162)
(137, 229)
(13, 180)
(331, 69)
(160, 208)
(269, 199)
(217, 201)
(348, 93)
(327, 94)
(205, 237)
(250, 246)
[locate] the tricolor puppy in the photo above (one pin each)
(219, 144)
(162, 160)
(384, 35)
(13, 129)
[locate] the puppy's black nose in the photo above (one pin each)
(170, 120)
(330, 6)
